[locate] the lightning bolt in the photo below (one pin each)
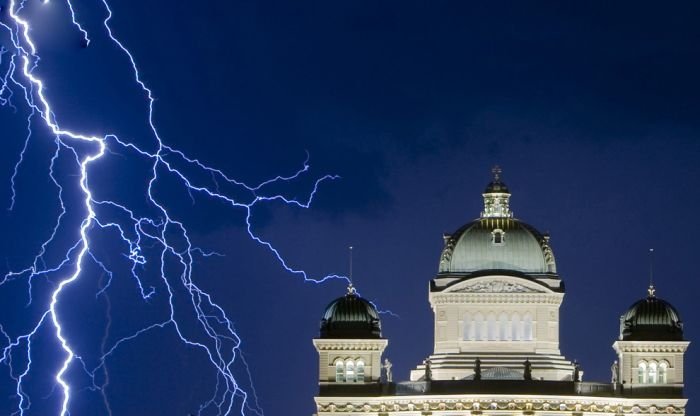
(141, 234)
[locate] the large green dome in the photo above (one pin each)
(496, 240)
(497, 244)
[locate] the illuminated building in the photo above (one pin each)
(496, 302)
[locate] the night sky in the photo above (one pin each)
(592, 111)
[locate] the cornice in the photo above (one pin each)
(524, 298)
(350, 344)
(651, 346)
(521, 403)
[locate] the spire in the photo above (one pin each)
(350, 260)
(651, 267)
(651, 291)
(496, 197)
(351, 289)
(496, 170)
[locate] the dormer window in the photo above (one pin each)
(498, 237)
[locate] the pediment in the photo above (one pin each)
(494, 286)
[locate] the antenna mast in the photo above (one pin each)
(651, 289)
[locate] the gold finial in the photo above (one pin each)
(651, 291)
(351, 290)
(496, 170)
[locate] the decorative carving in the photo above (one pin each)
(666, 347)
(446, 298)
(527, 374)
(548, 254)
(387, 368)
(446, 257)
(496, 286)
(428, 370)
(528, 406)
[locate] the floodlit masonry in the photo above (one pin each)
(496, 301)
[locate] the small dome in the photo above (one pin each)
(651, 319)
(351, 317)
(496, 187)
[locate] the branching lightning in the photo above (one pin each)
(138, 233)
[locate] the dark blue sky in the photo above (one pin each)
(591, 109)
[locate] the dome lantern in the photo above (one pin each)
(496, 197)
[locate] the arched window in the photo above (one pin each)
(515, 327)
(350, 371)
(492, 332)
(360, 371)
(339, 371)
(479, 327)
(653, 373)
(527, 327)
(663, 369)
(468, 327)
(642, 373)
(503, 327)
(498, 237)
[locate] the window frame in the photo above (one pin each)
(653, 373)
(360, 370)
(339, 371)
(642, 369)
(498, 237)
(350, 375)
(663, 372)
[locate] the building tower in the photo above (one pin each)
(350, 344)
(496, 297)
(651, 346)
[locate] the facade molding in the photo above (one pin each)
(350, 344)
(494, 286)
(510, 298)
(651, 346)
(498, 404)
